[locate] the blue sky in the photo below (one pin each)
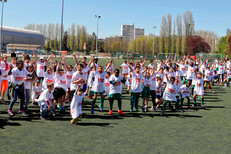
(211, 15)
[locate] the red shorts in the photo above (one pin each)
(4, 84)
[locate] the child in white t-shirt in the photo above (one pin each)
(185, 93)
(36, 90)
(107, 84)
(76, 105)
(45, 101)
(198, 89)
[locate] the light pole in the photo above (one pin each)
(153, 50)
(96, 44)
(61, 36)
(1, 25)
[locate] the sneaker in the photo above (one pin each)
(131, 110)
(21, 111)
(181, 111)
(101, 108)
(202, 106)
(212, 92)
(10, 112)
(193, 105)
(162, 113)
(152, 108)
(120, 112)
(59, 107)
(92, 110)
(110, 112)
(189, 107)
(137, 110)
(53, 114)
(42, 118)
(143, 109)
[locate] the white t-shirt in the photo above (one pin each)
(229, 74)
(110, 69)
(116, 87)
(5, 67)
(136, 84)
(76, 105)
(228, 64)
(199, 87)
(158, 89)
(85, 71)
(124, 68)
(48, 78)
(69, 75)
(40, 69)
(207, 76)
(183, 69)
(186, 92)
(153, 82)
(107, 86)
(98, 84)
(27, 84)
(45, 97)
(60, 81)
(178, 76)
(221, 69)
(147, 82)
(151, 66)
(169, 75)
(91, 78)
(191, 72)
(36, 91)
(170, 92)
(18, 76)
(76, 76)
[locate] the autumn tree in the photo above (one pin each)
(196, 44)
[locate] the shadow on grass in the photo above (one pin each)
(5, 122)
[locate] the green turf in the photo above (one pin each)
(196, 131)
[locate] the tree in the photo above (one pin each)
(222, 46)
(229, 43)
(179, 34)
(196, 44)
(64, 42)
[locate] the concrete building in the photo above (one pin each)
(16, 36)
(127, 31)
(139, 32)
(130, 32)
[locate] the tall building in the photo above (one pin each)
(139, 32)
(127, 31)
(130, 32)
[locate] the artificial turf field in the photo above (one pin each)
(195, 131)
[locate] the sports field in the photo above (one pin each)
(196, 131)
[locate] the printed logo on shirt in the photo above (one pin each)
(63, 82)
(49, 80)
(18, 78)
(100, 80)
(137, 79)
(37, 93)
(69, 76)
(198, 84)
(192, 70)
(171, 90)
(80, 104)
(107, 84)
(153, 79)
(42, 67)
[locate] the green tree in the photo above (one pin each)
(222, 46)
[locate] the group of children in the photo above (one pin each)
(52, 83)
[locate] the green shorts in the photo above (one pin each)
(115, 96)
(98, 92)
(146, 92)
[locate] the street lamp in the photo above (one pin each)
(1, 25)
(61, 36)
(96, 44)
(153, 50)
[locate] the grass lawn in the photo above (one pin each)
(195, 131)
